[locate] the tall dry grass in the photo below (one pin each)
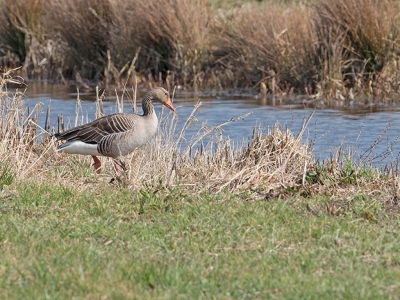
(306, 46)
(112, 40)
(369, 29)
(357, 40)
(203, 161)
(272, 43)
(86, 27)
(24, 37)
(172, 35)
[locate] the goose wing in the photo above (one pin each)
(94, 131)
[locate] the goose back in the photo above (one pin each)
(94, 131)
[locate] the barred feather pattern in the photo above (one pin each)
(95, 131)
(115, 135)
(108, 147)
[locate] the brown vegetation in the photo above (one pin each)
(274, 164)
(272, 43)
(336, 49)
(204, 161)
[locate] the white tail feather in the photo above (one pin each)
(78, 147)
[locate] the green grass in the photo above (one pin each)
(6, 176)
(58, 243)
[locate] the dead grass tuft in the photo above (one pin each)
(86, 28)
(270, 43)
(369, 30)
(172, 35)
(273, 160)
(357, 40)
(27, 39)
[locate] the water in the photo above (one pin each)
(357, 126)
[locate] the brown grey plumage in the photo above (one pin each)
(115, 135)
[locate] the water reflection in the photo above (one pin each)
(355, 124)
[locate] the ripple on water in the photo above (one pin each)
(334, 123)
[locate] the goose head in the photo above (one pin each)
(161, 95)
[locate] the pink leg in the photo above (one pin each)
(96, 164)
(116, 167)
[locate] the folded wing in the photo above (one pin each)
(94, 131)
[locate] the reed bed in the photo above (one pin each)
(335, 49)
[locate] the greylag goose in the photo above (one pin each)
(115, 135)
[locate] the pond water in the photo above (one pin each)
(359, 125)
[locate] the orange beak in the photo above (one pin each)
(168, 104)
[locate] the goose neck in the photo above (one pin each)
(147, 106)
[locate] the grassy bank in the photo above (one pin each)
(335, 49)
(113, 243)
(192, 218)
